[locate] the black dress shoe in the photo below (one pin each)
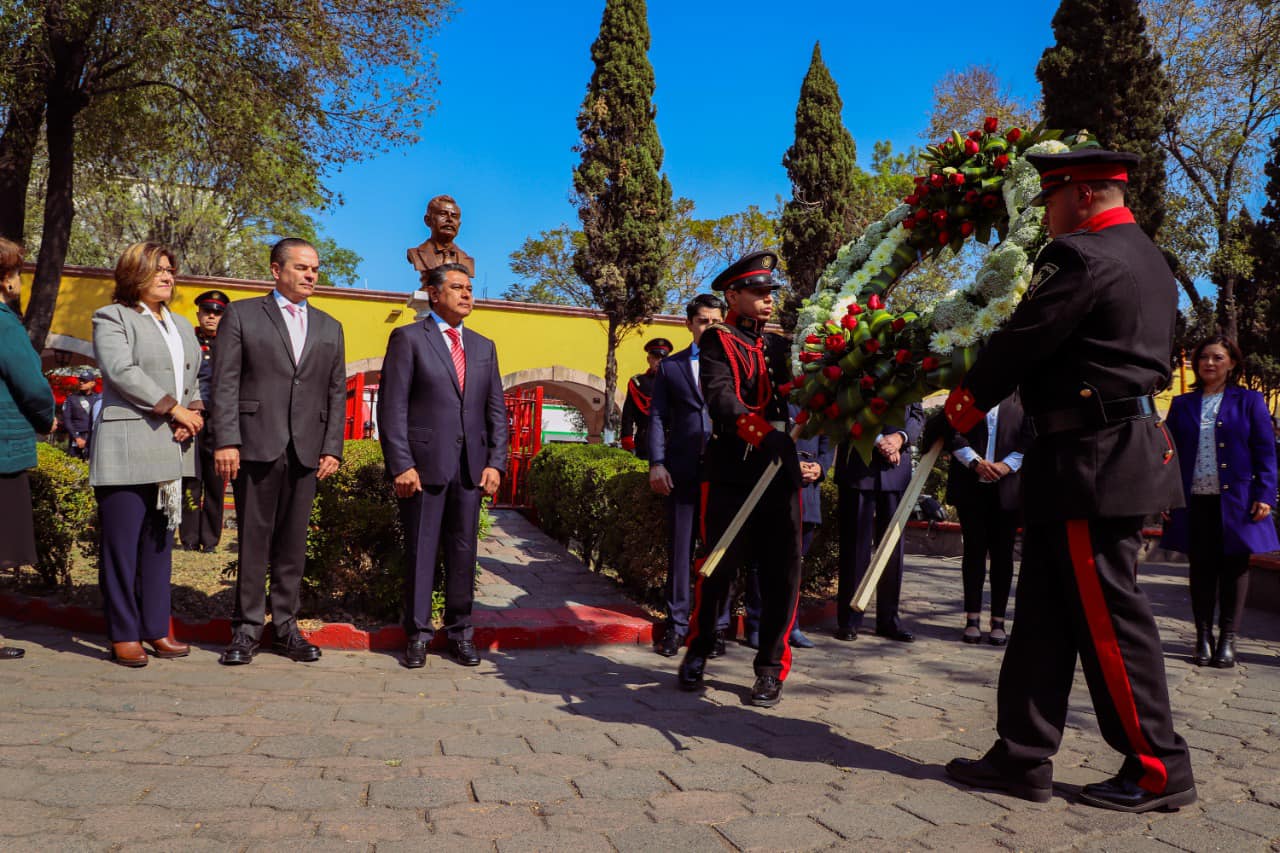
(242, 649)
(293, 646)
(671, 642)
(767, 691)
(1204, 645)
(718, 648)
(464, 652)
(691, 671)
(898, 634)
(798, 640)
(11, 652)
(415, 654)
(846, 635)
(1224, 656)
(981, 773)
(1124, 795)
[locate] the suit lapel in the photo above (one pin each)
(308, 343)
(273, 314)
(436, 343)
(686, 369)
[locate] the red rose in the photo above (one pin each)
(971, 196)
(802, 418)
(975, 135)
(929, 363)
(872, 346)
(874, 302)
(966, 228)
(957, 179)
(856, 430)
(834, 343)
(971, 147)
(921, 215)
(879, 405)
(940, 218)
(944, 237)
(902, 356)
(899, 324)
(854, 309)
(867, 382)
(990, 124)
(807, 357)
(919, 179)
(1014, 134)
(990, 200)
(849, 321)
(924, 189)
(812, 339)
(818, 401)
(832, 371)
(912, 199)
(908, 223)
(1001, 161)
(832, 412)
(936, 179)
(786, 388)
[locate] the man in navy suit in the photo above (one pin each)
(678, 431)
(443, 427)
(869, 496)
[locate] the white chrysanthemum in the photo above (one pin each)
(1002, 309)
(941, 343)
(1007, 260)
(964, 335)
(953, 313)
(987, 322)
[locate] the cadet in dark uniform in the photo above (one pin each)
(742, 367)
(201, 527)
(1088, 346)
(639, 404)
(77, 414)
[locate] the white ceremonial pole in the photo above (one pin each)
(896, 525)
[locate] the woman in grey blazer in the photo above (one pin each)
(142, 448)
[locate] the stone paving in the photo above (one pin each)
(593, 748)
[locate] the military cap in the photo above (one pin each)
(753, 270)
(1073, 167)
(212, 300)
(659, 346)
(86, 376)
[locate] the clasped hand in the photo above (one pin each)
(890, 447)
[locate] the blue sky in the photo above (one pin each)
(513, 74)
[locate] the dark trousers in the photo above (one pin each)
(273, 508)
(202, 498)
(135, 567)
(752, 601)
(1218, 581)
(988, 530)
(864, 517)
(683, 505)
(771, 540)
(1078, 595)
(441, 518)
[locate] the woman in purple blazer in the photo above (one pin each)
(1227, 452)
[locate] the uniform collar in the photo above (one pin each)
(1107, 219)
(746, 324)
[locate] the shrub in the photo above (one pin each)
(65, 512)
(634, 543)
(822, 563)
(568, 484)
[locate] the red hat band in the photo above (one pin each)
(1084, 172)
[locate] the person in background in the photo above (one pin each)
(77, 414)
(636, 410)
(984, 487)
(1227, 455)
(142, 449)
(26, 408)
(204, 494)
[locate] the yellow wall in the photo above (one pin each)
(527, 337)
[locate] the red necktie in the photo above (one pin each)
(459, 358)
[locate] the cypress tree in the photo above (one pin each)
(822, 165)
(623, 199)
(1259, 294)
(1104, 76)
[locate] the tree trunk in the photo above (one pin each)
(612, 419)
(1228, 310)
(19, 140)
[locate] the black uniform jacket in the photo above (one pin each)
(729, 458)
(1096, 325)
(636, 411)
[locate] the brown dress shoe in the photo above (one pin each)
(129, 654)
(168, 647)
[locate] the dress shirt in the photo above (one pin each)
(966, 456)
(442, 326)
(694, 364)
(1204, 477)
(296, 323)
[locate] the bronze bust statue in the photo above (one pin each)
(444, 218)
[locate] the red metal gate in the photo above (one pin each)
(524, 420)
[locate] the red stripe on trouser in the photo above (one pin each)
(1155, 776)
(795, 606)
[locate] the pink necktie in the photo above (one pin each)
(459, 358)
(298, 334)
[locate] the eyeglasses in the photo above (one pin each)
(170, 270)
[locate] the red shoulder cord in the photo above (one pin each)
(643, 401)
(746, 361)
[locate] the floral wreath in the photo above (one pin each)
(857, 364)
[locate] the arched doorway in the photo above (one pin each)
(575, 388)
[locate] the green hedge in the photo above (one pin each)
(65, 512)
(569, 489)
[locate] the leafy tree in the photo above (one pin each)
(1221, 58)
(623, 199)
(271, 90)
(1260, 291)
(963, 99)
(822, 165)
(544, 264)
(1104, 76)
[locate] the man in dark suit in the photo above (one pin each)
(202, 500)
(443, 426)
(983, 486)
(678, 431)
(869, 496)
(279, 391)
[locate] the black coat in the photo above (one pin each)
(879, 476)
(1096, 324)
(1013, 435)
(636, 412)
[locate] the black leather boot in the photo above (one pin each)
(1204, 644)
(1225, 656)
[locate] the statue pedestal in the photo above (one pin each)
(420, 304)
